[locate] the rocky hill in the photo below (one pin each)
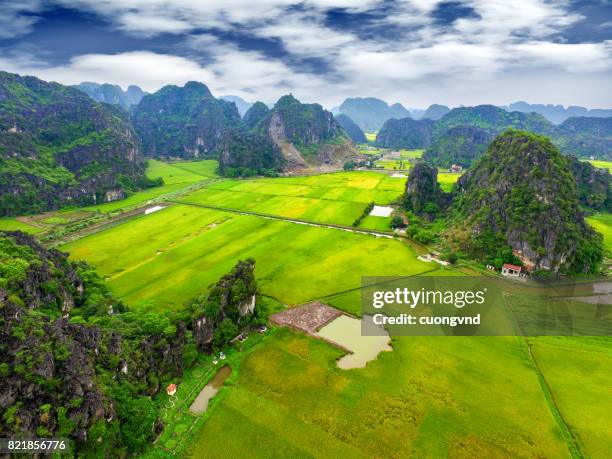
(59, 147)
(302, 136)
(521, 201)
(405, 133)
(435, 112)
(582, 137)
(586, 137)
(370, 113)
(74, 362)
(256, 113)
(351, 128)
(423, 195)
(112, 94)
(183, 122)
(459, 145)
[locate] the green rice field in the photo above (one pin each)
(148, 259)
(602, 164)
(12, 224)
(448, 179)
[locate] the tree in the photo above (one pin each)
(225, 332)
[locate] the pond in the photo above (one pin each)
(346, 332)
(200, 404)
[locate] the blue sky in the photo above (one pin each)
(416, 52)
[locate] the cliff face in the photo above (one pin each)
(185, 122)
(522, 195)
(405, 133)
(74, 362)
(289, 137)
(423, 194)
(59, 147)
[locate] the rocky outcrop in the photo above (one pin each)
(522, 196)
(593, 184)
(405, 133)
(59, 147)
(435, 112)
(232, 300)
(254, 115)
(460, 145)
(72, 359)
(290, 137)
(423, 194)
(184, 122)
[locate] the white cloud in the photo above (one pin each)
(463, 63)
(18, 18)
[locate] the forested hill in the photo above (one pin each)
(406, 133)
(464, 133)
(59, 147)
(291, 136)
(351, 128)
(521, 199)
(183, 122)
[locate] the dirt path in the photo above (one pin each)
(298, 221)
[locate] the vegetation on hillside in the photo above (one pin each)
(59, 147)
(77, 363)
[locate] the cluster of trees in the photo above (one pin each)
(364, 214)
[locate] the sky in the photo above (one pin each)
(416, 52)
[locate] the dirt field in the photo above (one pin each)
(308, 318)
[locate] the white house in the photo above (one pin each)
(511, 270)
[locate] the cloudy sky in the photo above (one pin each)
(415, 52)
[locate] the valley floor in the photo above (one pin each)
(430, 396)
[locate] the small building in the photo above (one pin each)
(171, 389)
(456, 168)
(511, 270)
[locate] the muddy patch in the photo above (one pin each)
(307, 318)
(200, 404)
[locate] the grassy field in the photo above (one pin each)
(430, 397)
(603, 223)
(602, 164)
(578, 372)
(12, 224)
(332, 198)
(370, 136)
(448, 179)
(148, 259)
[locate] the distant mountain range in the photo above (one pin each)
(557, 113)
(370, 113)
(112, 94)
(462, 135)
